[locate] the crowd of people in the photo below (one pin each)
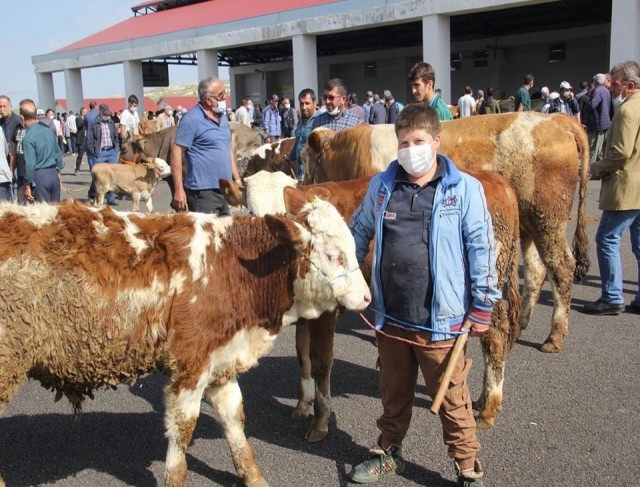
(396, 213)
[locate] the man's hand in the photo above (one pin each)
(27, 193)
(476, 328)
(179, 202)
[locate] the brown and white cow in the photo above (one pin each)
(314, 339)
(92, 298)
(543, 156)
(272, 157)
(138, 180)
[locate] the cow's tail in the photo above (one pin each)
(513, 293)
(580, 240)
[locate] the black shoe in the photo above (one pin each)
(601, 307)
(112, 203)
(634, 306)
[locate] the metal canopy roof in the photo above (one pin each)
(481, 25)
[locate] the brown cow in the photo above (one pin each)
(90, 299)
(542, 156)
(314, 340)
(244, 142)
(272, 157)
(134, 149)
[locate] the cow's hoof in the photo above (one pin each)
(299, 414)
(315, 435)
(550, 347)
(485, 423)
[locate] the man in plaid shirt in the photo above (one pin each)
(336, 117)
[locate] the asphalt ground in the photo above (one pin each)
(569, 419)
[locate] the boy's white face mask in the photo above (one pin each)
(417, 160)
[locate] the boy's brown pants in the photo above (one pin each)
(399, 362)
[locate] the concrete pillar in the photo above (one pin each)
(73, 88)
(207, 63)
(625, 31)
(305, 64)
(46, 96)
(133, 84)
(436, 50)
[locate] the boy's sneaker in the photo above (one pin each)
(471, 477)
(381, 463)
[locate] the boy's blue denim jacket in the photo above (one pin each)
(461, 248)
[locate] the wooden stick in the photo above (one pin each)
(458, 348)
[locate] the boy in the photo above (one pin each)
(433, 277)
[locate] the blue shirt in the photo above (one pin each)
(304, 128)
(208, 146)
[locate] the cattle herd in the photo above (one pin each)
(93, 297)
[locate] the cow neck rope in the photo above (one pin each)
(122, 160)
(331, 281)
(410, 342)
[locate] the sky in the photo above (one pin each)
(52, 25)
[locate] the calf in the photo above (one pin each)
(272, 157)
(155, 293)
(314, 341)
(138, 180)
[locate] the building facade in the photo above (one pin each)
(284, 46)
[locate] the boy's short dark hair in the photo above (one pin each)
(133, 99)
(418, 116)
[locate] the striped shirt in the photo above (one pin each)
(345, 120)
(105, 135)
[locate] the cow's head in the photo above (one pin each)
(317, 142)
(329, 274)
(159, 166)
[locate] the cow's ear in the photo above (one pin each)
(284, 230)
(318, 192)
(319, 139)
(233, 193)
(294, 200)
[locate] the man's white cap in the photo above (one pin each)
(565, 86)
(544, 89)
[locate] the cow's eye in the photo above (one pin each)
(335, 258)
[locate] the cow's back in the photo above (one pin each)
(81, 290)
(526, 148)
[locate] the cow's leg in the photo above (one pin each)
(307, 384)
(226, 401)
(321, 353)
(494, 348)
(99, 197)
(534, 274)
(135, 204)
(182, 411)
(149, 204)
(557, 257)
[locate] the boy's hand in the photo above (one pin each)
(476, 328)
